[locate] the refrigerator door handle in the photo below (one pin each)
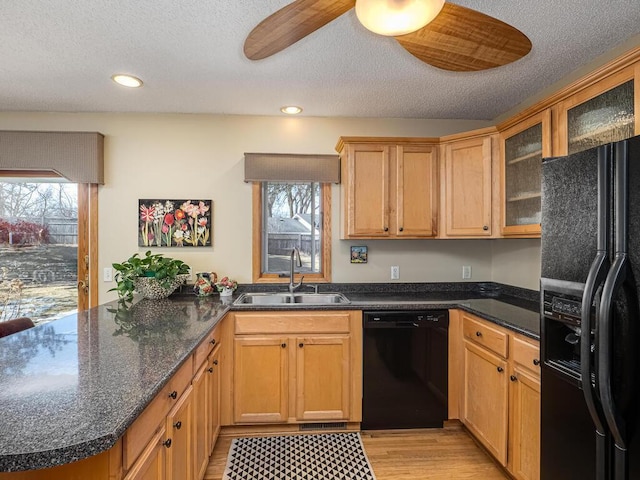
(617, 426)
(597, 275)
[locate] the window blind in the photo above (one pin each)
(77, 156)
(275, 167)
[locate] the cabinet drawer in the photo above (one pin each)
(140, 432)
(282, 323)
(206, 346)
(489, 337)
(526, 353)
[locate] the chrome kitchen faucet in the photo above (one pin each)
(295, 254)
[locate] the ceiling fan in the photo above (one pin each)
(447, 36)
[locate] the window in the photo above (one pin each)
(288, 216)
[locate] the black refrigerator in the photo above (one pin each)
(590, 335)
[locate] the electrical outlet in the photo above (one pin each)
(466, 272)
(395, 272)
(107, 274)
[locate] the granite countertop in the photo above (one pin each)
(509, 312)
(70, 388)
(514, 308)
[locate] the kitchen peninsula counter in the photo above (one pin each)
(69, 389)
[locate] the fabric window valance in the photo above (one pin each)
(77, 156)
(274, 167)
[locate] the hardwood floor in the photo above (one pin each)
(433, 454)
(218, 459)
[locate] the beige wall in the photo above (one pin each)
(516, 262)
(201, 156)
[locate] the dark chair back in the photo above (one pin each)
(14, 326)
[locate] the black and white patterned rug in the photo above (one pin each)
(299, 457)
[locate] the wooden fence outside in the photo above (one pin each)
(62, 230)
(282, 244)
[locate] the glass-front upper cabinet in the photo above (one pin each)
(523, 147)
(600, 114)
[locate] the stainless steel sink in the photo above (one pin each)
(320, 298)
(282, 298)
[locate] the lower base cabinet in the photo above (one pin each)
(206, 412)
(201, 413)
(296, 367)
(323, 380)
(500, 393)
(213, 419)
(485, 404)
(151, 464)
(524, 429)
(261, 379)
(180, 448)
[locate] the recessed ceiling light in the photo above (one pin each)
(291, 110)
(126, 80)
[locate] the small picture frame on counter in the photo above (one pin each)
(359, 254)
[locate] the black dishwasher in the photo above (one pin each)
(405, 369)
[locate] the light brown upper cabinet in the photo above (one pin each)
(604, 112)
(523, 147)
(389, 187)
(468, 192)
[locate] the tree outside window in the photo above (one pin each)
(292, 219)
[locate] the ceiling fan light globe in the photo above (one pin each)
(397, 17)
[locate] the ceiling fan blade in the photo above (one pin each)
(464, 40)
(292, 23)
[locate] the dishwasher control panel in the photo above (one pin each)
(408, 318)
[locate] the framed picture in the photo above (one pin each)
(174, 223)
(358, 254)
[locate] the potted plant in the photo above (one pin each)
(154, 276)
(226, 286)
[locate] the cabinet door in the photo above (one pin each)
(602, 113)
(417, 191)
(201, 421)
(468, 187)
(485, 399)
(367, 190)
(523, 148)
(179, 430)
(323, 378)
(525, 425)
(213, 371)
(150, 465)
(261, 383)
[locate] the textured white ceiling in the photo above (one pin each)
(58, 55)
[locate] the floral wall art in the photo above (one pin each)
(174, 223)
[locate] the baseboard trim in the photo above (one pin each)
(288, 429)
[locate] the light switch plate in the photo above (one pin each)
(107, 274)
